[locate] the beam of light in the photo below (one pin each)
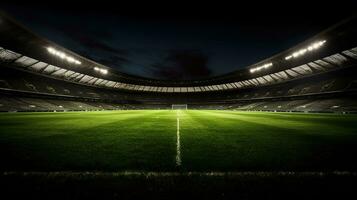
(62, 55)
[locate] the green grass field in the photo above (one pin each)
(147, 140)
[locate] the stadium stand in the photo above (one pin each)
(323, 81)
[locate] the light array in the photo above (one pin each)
(301, 52)
(103, 71)
(265, 66)
(63, 56)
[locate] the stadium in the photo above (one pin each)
(75, 127)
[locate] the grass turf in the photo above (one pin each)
(146, 140)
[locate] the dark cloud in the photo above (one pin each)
(91, 45)
(183, 64)
(117, 61)
(92, 40)
(216, 42)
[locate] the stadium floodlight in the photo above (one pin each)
(265, 66)
(301, 52)
(103, 71)
(62, 55)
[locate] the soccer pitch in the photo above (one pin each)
(177, 141)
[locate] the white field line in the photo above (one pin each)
(188, 173)
(178, 145)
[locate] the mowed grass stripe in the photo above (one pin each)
(146, 140)
(227, 140)
(305, 123)
(107, 141)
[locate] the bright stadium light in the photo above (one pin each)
(63, 56)
(103, 71)
(265, 66)
(301, 52)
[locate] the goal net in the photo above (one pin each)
(179, 106)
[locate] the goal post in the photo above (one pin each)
(179, 106)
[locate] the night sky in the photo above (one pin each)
(179, 44)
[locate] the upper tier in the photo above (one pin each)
(30, 51)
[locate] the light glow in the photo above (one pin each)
(63, 56)
(265, 66)
(103, 71)
(301, 52)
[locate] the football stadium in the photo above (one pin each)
(72, 126)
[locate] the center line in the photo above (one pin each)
(178, 146)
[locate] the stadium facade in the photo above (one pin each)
(317, 75)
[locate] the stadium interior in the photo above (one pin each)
(323, 82)
(317, 76)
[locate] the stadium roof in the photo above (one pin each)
(44, 56)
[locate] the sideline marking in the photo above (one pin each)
(261, 174)
(178, 145)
